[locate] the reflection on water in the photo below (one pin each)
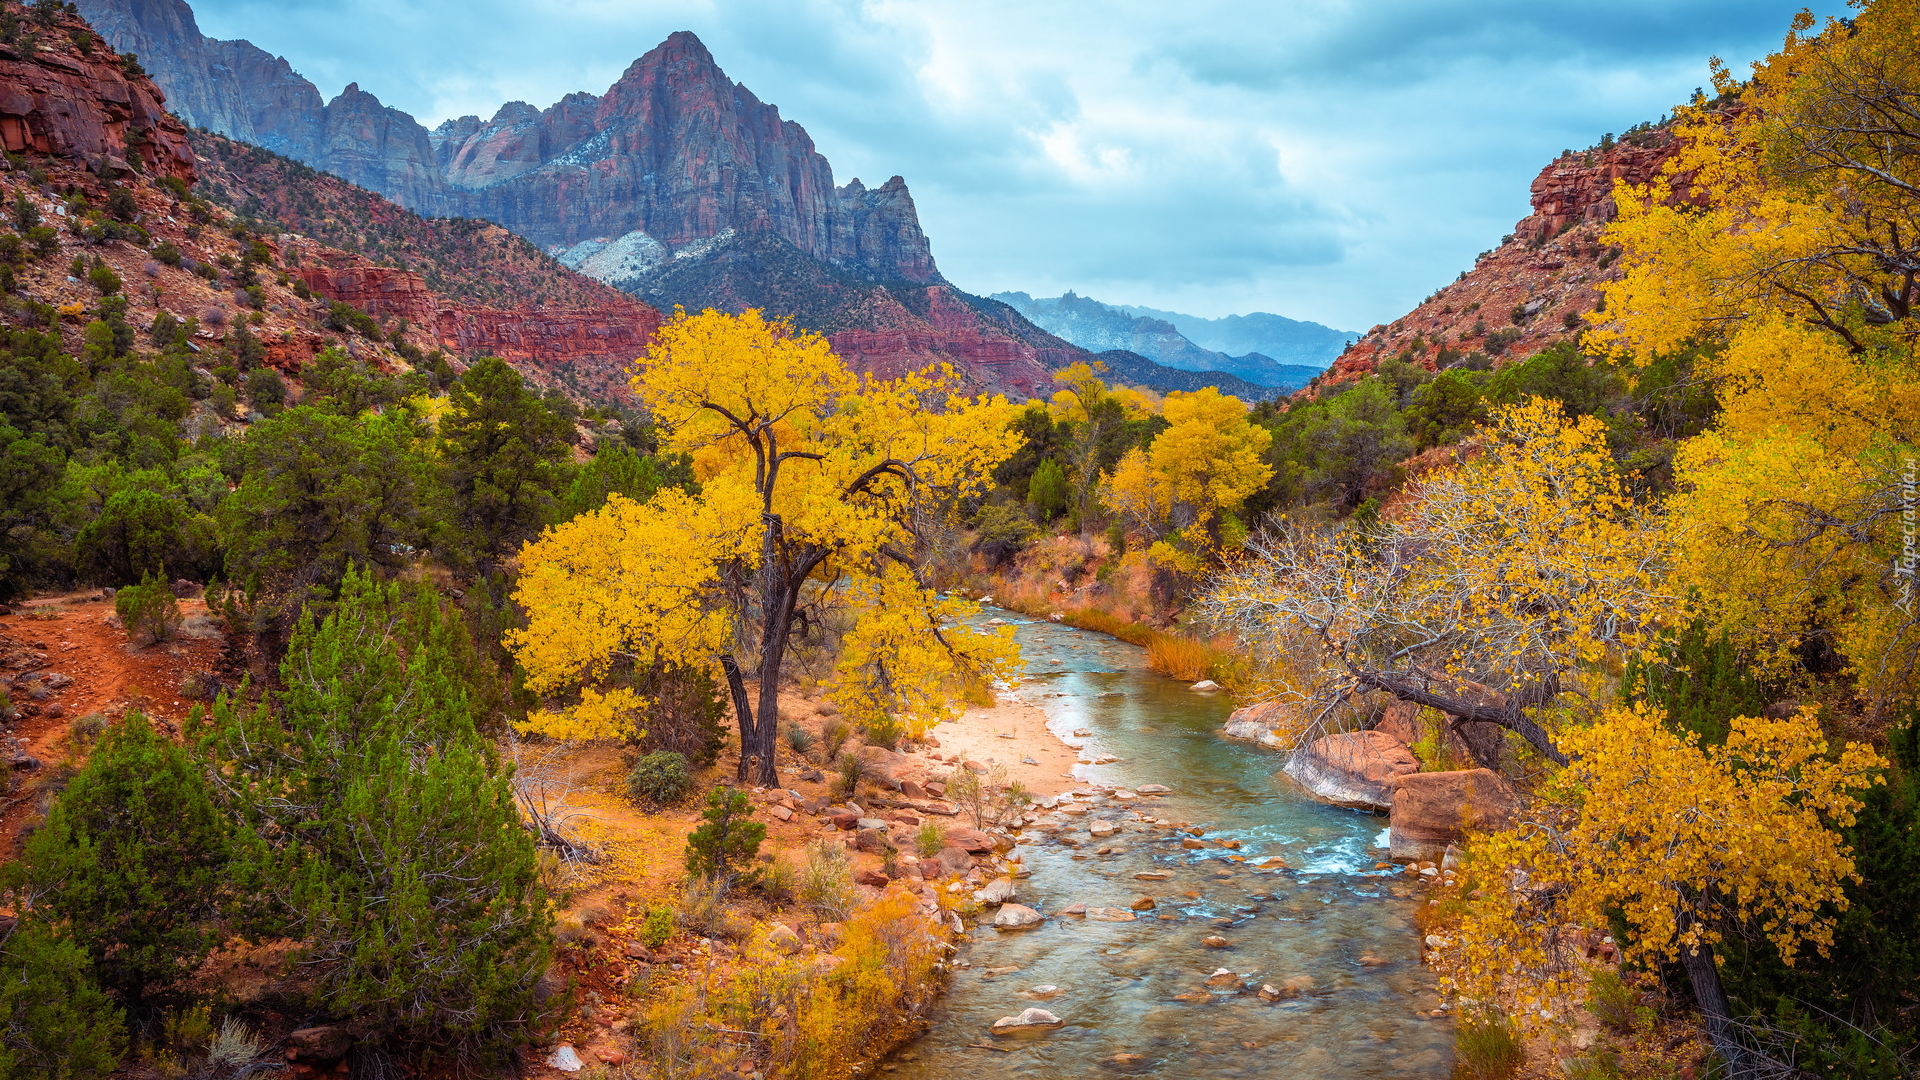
(1332, 935)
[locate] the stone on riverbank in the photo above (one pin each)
(1433, 810)
(1355, 769)
(1110, 914)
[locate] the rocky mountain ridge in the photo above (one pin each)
(1101, 327)
(111, 173)
(1536, 287)
(673, 150)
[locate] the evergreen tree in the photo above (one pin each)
(130, 863)
(386, 836)
(503, 445)
(55, 1024)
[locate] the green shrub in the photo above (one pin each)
(847, 776)
(167, 252)
(930, 839)
(148, 610)
(659, 779)
(885, 732)
(131, 861)
(826, 881)
(720, 848)
(658, 927)
(104, 279)
(1486, 1047)
(54, 1022)
(799, 740)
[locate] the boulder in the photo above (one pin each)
(1223, 979)
(972, 840)
(780, 812)
(1103, 828)
(870, 841)
(877, 824)
(1016, 917)
(1028, 1020)
(1153, 789)
(871, 877)
(953, 860)
(844, 819)
(1433, 810)
(1205, 685)
(1257, 722)
(997, 891)
(1110, 914)
(565, 1058)
(1215, 941)
(311, 1044)
(1076, 908)
(1402, 720)
(885, 767)
(782, 937)
(1144, 903)
(1355, 769)
(912, 790)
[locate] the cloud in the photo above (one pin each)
(1324, 159)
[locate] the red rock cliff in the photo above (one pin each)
(1533, 289)
(587, 349)
(71, 97)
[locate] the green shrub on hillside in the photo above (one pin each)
(659, 779)
(149, 611)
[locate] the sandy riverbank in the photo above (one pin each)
(1009, 734)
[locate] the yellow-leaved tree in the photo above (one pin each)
(812, 483)
(1785, 236)
(1503, 579)
(1188, 482)
(1675, 840)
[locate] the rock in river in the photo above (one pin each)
(1028, 1020)
(1355, 769)
(1016, 917)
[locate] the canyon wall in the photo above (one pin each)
(1535, 288)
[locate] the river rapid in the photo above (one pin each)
(1330, 932)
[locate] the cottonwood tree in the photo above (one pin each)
(813, 485)
(1193, 475)
(1677, 841)
(1501, 578)
(1785, 236)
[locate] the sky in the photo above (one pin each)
(1331, 160)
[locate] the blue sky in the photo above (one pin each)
(1333, 160)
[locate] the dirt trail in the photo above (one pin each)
(66, 657)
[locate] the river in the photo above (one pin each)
(1330, 929)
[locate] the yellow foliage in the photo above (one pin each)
(1663, 832)
(815, 1015)
(811, 482)
(1208, 461)
(907, 649)
(1788, 525)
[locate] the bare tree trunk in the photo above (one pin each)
(1704, 975)
(742, 711)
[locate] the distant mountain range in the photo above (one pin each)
(1244, 346)
(676, 185)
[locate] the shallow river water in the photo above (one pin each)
(1133, 993)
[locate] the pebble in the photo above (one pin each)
(1222, 977)
(1214, 941)
(1153, 875)
(1154, 789)
(1144, 903)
